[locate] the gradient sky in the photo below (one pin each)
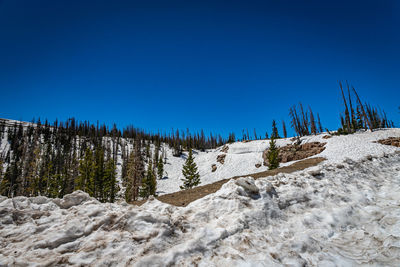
(195, 64)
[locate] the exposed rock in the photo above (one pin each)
(369, 157)
(258, 165)
(326, 136)
(221, 158)
(296, 152)
(316, 173)
(270, 189)
(213, 167)
(225, 149)
(391, 141)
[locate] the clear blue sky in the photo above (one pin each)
(195, 64)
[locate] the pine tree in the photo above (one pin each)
(129, 179)
(160, 168)
(149, 183)
(5, 184)
(189, 171)
(135, 172)
(313, 126)
(273, 152)
(275, 133)
(110, 187)
(231, 138)
(284, 129)
(98, 185)
(1, 168)
(85, 180)
(319, 124)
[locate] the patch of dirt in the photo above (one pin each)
(296, 152)
(184, 197)
(391, 141)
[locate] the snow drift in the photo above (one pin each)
(335, 214)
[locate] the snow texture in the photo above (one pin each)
(344, 212)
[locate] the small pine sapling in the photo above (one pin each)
(273, 159)
(189, 171)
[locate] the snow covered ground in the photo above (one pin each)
(241, 158)
(343, 212)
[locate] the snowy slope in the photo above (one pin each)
(241, 158)
(342, 213)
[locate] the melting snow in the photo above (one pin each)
(347, 215)
(344, 212)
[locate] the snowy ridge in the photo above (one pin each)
(335, 214)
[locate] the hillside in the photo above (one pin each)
(240, 158)
(343, 212)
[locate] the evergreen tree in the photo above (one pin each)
(1, 168)
(110, 187)
(313, 127)
(87, 168)
(319, 124)
(160, 168)
(98, 182)
(135, 172)
(149, 183)
(284, 129)
(5, 184)
(129, 179)
(273, 152)
(189, 171)
(275, 133)
(148, 153)
(231, 138)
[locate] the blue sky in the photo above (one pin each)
(195, 64)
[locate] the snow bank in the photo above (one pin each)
(338, 214)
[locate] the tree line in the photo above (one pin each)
(55, 159)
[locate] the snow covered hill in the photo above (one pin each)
(242, 157)
(343, 212)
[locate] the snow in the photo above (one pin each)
(242, 157)
(343, 212)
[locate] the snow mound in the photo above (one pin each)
(343, 214)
